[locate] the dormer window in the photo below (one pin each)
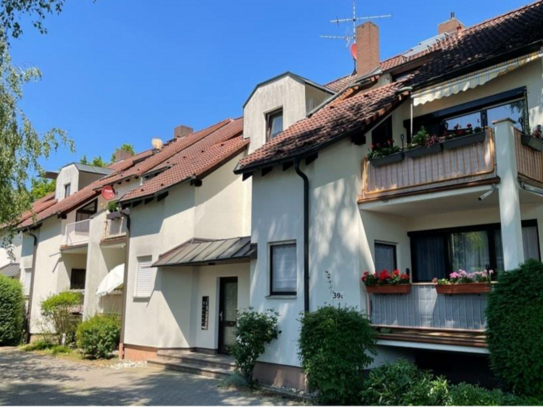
(67, 190)
(274, 121)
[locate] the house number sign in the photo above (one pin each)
(338, 295)
(205, 312)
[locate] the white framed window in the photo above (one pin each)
(27, 281)
(145, 277)
(283, 269)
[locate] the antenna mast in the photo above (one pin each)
(350, 38)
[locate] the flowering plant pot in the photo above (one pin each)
(469, 288)
(532, 142)
(387, 283)
(422, 151)
(464, 141)
(389, 159)
(389, 289)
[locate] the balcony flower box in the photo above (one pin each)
(389, 289)
(532, 142)
(469, 288)
(389, 159)
(422, 151)
(464, 141)
(387, 283)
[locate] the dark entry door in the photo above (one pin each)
(228, 308)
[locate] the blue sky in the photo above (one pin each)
(125, 71)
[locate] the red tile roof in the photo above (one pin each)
(469, 49)
(194, 161)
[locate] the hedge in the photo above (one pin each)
(11, 311)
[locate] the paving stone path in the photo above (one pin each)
(30, 379)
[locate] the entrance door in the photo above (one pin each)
(228, 308)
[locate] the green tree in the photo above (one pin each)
(22, 146)
(95, 162)
(41, 187)
(124, 147)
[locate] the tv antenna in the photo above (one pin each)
(350, 36)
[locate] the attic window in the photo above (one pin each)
(274, 124)
(67, 190)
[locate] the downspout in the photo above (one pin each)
(33, 281)
(306, 232)
(126, 214)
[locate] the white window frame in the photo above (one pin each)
(271, 291)
(27, 285)
(144, 263)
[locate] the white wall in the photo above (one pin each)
(217, 209)
(11, 253)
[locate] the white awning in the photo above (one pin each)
(111, 281)
(471, 80)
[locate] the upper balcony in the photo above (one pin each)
(76, 234)
(450, 164)
(114, 231)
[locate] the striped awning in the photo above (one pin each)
(205, 252)
(471, 80)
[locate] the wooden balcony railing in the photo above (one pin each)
(463, 166)
(529, 161)
(423, 308)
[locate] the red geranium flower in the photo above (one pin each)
(396, 272)
(384, 275)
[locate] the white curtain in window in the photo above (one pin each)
(284, 268)
(470, 251)
(530, 242)
(385, 257)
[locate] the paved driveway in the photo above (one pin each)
(30, 379)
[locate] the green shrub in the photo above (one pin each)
(58, 310)
(99, 336)
(515, 323)
(402, 383)
(465, 394)
(336, 344)
(235, 381)
(254, 330)
(11, 311)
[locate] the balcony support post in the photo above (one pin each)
(508, 190)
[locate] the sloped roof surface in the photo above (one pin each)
(475, 46)
(203, 251)
(12, 270)
(195, 160)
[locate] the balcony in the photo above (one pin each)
(469, 165)
(114, 231)
(423, 316)
(76, 234)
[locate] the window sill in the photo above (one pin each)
(281, 297)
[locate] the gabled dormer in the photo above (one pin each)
(277, 103)
(73, 177)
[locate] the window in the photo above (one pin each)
(144, 279)
(283, 270)
(274, 124)
(28, 281)
(67, 190)
(382, 133)
(440, 252)
(86, 212)
(77, 279)
(385, 257)
(478, 113)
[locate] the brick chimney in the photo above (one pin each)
(121, 154)
(367, 48)
(182, 131)
(450, 26)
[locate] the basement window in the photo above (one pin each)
(274, 124)
(283, 270)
